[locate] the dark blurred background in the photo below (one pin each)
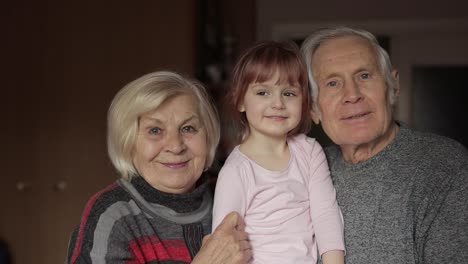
(63, 61)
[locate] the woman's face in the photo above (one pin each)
(171, 145)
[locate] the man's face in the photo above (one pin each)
(352, 101)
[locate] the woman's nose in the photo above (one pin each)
(175, 143)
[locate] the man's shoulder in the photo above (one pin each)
(435, 158)
(332, 152)
(434, 145)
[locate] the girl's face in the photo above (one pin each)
(272, 109)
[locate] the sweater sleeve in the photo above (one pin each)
(230, 193)
(445, 237)
(325, 213)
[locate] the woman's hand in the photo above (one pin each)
(227, 244)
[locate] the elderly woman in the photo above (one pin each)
(162, 136)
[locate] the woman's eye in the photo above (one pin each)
(188, 129)
(155, 130)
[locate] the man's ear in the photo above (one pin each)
(315, 114)
(396, 89)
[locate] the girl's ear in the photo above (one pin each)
(241, 107)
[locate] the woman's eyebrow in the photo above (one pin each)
(155, 120)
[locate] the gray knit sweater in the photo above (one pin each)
(408, 203)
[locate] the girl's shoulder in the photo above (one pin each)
(303, 145)
(235, 160)
(304, 141)
(234, 157)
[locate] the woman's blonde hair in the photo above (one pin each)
(143, 95)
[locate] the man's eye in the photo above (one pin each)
(188, 129)
(332, 84)
(155, 130)
(365, 76)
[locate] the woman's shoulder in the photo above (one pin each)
(106, 198)
(97, 217)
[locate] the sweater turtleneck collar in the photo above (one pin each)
(181, 203)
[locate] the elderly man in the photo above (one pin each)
(403, 194)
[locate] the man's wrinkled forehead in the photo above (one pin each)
(349, 50)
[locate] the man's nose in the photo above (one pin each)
(352, 92)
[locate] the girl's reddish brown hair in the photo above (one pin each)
(258, 64)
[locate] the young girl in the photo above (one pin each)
(278, 178)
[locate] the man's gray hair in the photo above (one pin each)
(313, 42)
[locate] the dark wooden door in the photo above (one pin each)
(64, 61)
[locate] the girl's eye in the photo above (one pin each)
(262, 93)
(289, 94)
(188, 129)
(155, 130)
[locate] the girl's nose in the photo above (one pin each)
(278, 102)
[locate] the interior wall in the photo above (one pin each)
(425, 48)
(420, 33)
(275, 12)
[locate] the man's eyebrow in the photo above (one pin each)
(329, 76)
(365, 68)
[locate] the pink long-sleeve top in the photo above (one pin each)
(291, 215)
